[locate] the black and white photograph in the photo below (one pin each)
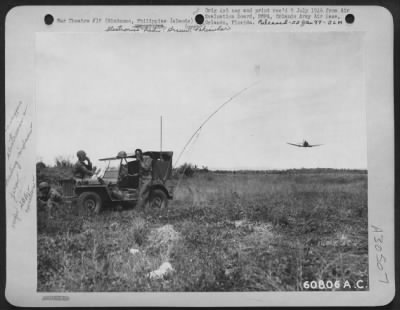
(206, 162)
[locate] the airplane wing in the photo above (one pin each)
(299, 145)
(312, 145)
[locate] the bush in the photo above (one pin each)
(187, 169)
(64, 162)
(40, 165)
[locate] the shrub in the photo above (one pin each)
(40, 165)
(63, 162)
(187, 169)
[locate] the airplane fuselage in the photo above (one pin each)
(304, 144)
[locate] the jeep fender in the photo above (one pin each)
(102, 191)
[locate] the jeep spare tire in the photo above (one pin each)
(90, 202)
(158, 199)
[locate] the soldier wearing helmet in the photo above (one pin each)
(123, 170)
(145, 169)
(121, 154)
(83, 167)
(48, 197)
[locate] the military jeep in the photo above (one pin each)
(120, 183)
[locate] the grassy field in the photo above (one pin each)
(222, 232)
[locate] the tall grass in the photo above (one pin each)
(231, 232)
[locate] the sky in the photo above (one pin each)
(106, 92)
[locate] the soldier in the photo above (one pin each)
(48, 197)
(123, 171)
(82, 169)
(145, 163)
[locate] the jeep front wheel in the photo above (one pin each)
(158, 199)
(90, 202)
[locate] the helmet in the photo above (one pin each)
(43, 185)
(81, 153)
(121, 154)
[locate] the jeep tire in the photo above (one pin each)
(90, 203)
(158, 199)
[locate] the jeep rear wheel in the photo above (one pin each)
(158, 199)
(90, 202)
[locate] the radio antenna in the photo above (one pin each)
(210, 116)
(160, 137)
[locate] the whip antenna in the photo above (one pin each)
(210, 116)
(160, 137)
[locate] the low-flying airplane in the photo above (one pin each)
(304, 144)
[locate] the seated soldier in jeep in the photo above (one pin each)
(83, 167)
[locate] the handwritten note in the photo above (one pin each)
(20, 191)
(162, 28)
(214, 19)
(381, 259)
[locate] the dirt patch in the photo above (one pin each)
(161, 241)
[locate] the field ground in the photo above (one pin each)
(222, 232)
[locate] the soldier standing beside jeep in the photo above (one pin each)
(81, 168)
(145, 163)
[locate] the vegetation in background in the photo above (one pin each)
(188, 170)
